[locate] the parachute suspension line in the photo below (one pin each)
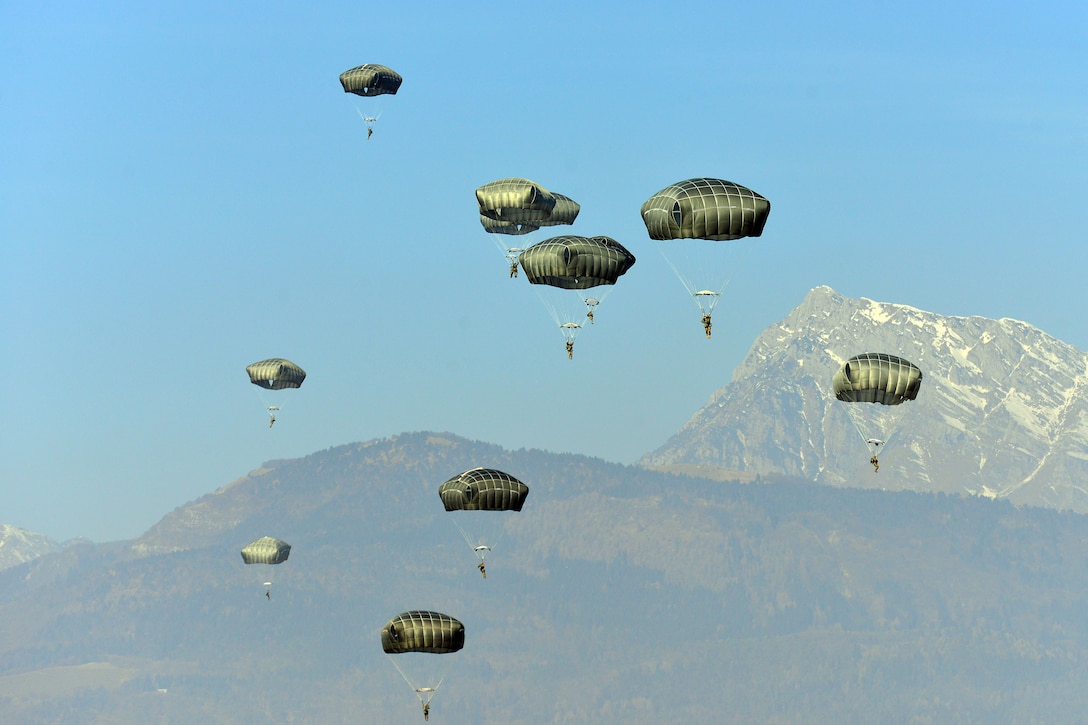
(731, 257)
(513, 250)
(425, 694)
(481, 548)
(688, 285)
(569, 323)
(272, 409)
(410, 683)
(861, 433)
(464, 534)
(884, 426)
(369, 120)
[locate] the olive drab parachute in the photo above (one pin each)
(370, 80)
(576, 263)
(516, 206)
(565, 211)
(411, 639)
(493, 493)
(704, 208)
(422, 631)
(572, 265)
(876, 377)
(266, 550)
(876, 385)
(515, 200)
(494, 226)
(691, 218)
(483, 489)
(275, 374)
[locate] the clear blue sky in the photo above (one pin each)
(185, 189)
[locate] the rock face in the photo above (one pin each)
(1003, 409)
(19, 545)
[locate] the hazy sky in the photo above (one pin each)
(185, 189)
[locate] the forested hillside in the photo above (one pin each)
(616, 595)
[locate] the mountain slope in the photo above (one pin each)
(617, 595)
(1003, 410)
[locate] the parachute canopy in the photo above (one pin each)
(876, 377)
(495, 226)
(573, 262)
(276, 374)
(565, 211)
(266, 550)
(483, 489)
(370, 79)
(705, 209)
(515, 200)
(423, 631)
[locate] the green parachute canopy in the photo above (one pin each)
(266, 550)
(565, 211)
(495, 226)
(876, 377)
(483, 489)
(276, 374)
(515, 200)
(422, 631)
(370, 79)
(705, 209)
(575, 263)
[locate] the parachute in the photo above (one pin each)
(565, 211)
(485, 490)
(516, 206)
(562, 264)
(266, 550)
(515, 200)
(410, 638)
(706, 211)
(881, 383)
(275, 374)
(494, 226)
(370, 80)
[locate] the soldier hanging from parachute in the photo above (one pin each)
(489, 492)
(275, 374)
(369, 80)
(564, 267)
(266, 550)
(711, 210)
(876, 385)
(423, 633)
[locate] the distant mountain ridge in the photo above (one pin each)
(1003, 410)
(19, 545)
(618, 595)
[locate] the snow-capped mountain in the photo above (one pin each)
(19, 545)
(1002, 412)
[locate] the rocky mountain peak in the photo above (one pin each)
(1002, 412)
(19, 545)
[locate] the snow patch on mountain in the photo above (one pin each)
(18, 546)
